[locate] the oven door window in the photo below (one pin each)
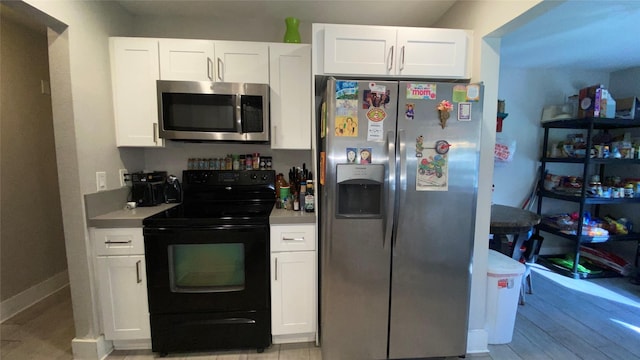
(199, 112)
(204, 268)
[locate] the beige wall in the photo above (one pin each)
(488, 20)
(84, 134)
(32, 239)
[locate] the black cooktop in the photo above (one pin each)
(221, 197)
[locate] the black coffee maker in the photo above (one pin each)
(172, 190)
(148, 188)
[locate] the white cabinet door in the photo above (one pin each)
(122, 288)
(290, 99)
(134, 71)
(242, 61)
(184, 59)
(359, 50)
(438, 53)
(293, 292)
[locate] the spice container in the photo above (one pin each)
(629, 190)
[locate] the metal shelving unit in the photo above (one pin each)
(581, 197)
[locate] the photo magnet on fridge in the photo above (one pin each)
(409, 111)
(365, 155)
(464, 111)
(352, 155)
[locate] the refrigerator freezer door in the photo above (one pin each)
(355, 255)
(433, 242)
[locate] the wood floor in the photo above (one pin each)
(562, 319)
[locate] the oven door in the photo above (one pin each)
(214, 269)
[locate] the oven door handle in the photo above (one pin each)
(223, 321)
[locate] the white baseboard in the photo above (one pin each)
(295, 338)
(477, 341)
(132, 344)
(91, 349)
(32, 295)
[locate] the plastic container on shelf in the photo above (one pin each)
(504, 279)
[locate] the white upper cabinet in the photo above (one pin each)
(391, 51)
(134, 71)
(242, 61)
(290, 98)
(209, 60)
(182, 59)
(359, 50)
(433, 52)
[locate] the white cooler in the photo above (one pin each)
(504, 278)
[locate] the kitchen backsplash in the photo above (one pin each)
(174, 156)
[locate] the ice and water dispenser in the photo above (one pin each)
(359, 191)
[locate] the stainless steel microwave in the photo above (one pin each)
(210, 111)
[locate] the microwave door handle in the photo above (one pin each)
(238, 113)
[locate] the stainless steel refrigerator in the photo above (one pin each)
(397, 199)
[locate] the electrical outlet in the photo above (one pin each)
(101, 180)
(123, 179)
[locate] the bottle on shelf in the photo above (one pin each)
(303, 191)
(296, 202)
(309, 198)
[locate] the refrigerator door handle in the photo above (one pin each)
(391, 188)
(401, 181)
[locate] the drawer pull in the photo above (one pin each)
(118, 242)
(138, 279)
(293, 238)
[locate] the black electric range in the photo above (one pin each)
(207, 263)
(217, 197)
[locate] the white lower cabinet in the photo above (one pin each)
(123, 295)
(293, 283)
(122, 283)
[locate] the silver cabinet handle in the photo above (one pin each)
(275, 138)
(402, 58)
(276, 272)
(155, 133)
(390, 59)
(220, 69)
(139, 280)
(293, 239)
(209, 68)
(117, 242)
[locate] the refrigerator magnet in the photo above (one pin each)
(365, 155)
(419, 146)
(352, 155)
(409, 112)
(459, 93)
(464, 111)
(442, 147)
(375, 129)
(422, 91)
(432, 172)
(473, 92)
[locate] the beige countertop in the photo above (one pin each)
(282, 216)
(133, 218)
(127, 218)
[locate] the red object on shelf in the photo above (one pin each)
(499, 119)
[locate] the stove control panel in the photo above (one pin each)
(229, 177)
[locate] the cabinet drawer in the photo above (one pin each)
(293, 237)
(118, 241)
